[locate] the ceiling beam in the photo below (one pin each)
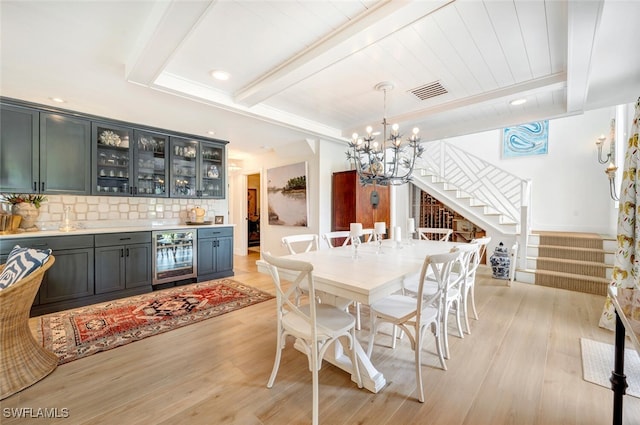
(168, 25)
(584, 20)
(378, 22)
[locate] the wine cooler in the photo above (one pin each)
(174, 255)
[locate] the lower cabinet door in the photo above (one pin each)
(110, 268)
(206, 256)
(138, 265)
(224, 254)
(71, 277)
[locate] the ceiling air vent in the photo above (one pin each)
(429, 90)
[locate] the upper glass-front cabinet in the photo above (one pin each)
(113, 169)
(212, 170)
(197, 169)
(150, 164)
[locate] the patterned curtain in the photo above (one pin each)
(626, 269)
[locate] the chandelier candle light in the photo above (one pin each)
(390, 162)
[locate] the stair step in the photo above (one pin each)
(572, 282)
(571, 253)
(577, 267)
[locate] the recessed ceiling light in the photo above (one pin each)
(219, 74)
(57, 99)
(517, 102)
(211, 132)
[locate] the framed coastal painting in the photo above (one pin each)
(526, 139)
(287, 195)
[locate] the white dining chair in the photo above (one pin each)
(316, 325)
(434, 233)
(454, 291)
(413, 315)
(470, 282)
(300, 243)
(333, 238)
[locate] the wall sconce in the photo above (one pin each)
(610, 158)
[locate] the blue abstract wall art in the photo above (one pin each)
(526, 139)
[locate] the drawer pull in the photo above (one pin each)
(125, 239)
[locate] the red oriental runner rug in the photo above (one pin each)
(78, 333)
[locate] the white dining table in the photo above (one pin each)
(375, 273)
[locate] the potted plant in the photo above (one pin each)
(26, 206)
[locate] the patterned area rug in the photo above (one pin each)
(597, 364)
(78, 333)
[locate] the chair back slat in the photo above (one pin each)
(286, 297)
(295, 242)
(436, 267)
(332, 237)
(434, 233)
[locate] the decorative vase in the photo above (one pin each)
(500, 262)
(29, 214)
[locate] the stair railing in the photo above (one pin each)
(501, 191)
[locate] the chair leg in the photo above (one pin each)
(436, 332)
(276, 363)
(314, 383)
(473, 302)
(458, 321)
(445, 332)
(372, 333)
(418, 353)
(354, 360)
(465, 312)
(357, 304)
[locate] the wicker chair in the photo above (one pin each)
(23, 361)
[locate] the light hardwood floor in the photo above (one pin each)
(520, 365)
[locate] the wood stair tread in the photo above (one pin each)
(571, 275)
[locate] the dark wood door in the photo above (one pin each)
(352, 202)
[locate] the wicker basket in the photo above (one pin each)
(23, 361)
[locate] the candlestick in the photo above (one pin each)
(411, 225)
(355, 230)
(380, 228)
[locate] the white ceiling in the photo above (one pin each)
(307, 69)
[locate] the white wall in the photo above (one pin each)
(323, 158)
(570, 191)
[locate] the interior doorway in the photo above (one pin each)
(253, 212)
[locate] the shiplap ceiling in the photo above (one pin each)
(305, 69)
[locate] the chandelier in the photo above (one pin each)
(390, 162)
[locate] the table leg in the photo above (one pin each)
(372, 379)
(618, 378)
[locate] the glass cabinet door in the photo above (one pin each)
(113, 160)
(212, 171)
(150, 164)
(184, 173)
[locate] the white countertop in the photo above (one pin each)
(111, 229)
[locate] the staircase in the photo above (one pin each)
(499, 201)
(581, 262)
(483, 193)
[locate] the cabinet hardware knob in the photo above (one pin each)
(42, 187)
